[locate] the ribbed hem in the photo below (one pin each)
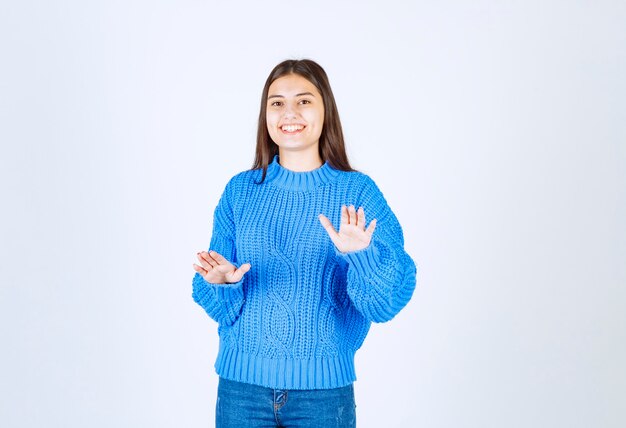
(299, 180)
(285, 373)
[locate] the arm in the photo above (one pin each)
(381, 276)
(222, 302)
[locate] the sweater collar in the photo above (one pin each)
(296, 180)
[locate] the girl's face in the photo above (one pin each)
(295, 113)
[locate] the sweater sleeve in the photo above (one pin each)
(381, 278)
(222, 302)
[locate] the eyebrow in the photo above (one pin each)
(297, 95)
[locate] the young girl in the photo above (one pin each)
(295, 274)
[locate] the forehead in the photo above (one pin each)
(291, 85)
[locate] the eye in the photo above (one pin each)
(305, 102)
(276, 104)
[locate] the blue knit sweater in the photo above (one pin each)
(298, 316)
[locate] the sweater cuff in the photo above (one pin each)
(229, 291)
(222, 292)
(365, 261)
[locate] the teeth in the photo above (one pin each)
(292, 128)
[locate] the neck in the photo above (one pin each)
(300, 161)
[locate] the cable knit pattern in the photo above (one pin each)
(299, 315)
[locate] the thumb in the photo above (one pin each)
(238, 274)
(327, 225)
(332, 233)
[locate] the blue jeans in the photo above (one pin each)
(243, 405)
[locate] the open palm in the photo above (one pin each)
(215, 269)
(352, 235)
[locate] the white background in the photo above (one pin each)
(496, 130)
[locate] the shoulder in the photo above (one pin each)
(362, 184)
(242, 177)
(362, 190)
(241, 180)
(235, 192)
(240, 188)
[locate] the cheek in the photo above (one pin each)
(320, 120)
(271, 120)
(272, 123)
(314, 117)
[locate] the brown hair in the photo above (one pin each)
(331, 145)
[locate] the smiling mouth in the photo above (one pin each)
(291, 129)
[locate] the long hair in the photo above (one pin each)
(331, 144)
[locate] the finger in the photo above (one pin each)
(202, 256)
(206, 260)
(361, 218)
(219, 258)
(371, 227)
(344, 214)
(352, 214)
(199, 269)
(332, 233)
(210, 257)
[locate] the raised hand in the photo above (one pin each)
(352, 235)
(217, 270)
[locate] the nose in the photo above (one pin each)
(289, 111)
